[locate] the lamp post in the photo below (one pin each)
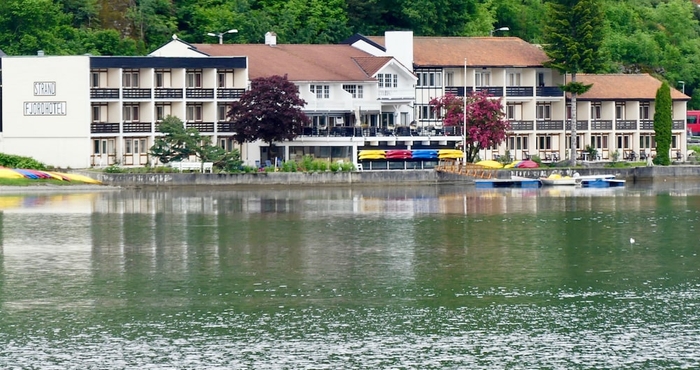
(220, 35)
(682, 86)
(464, 113)
(498, 29)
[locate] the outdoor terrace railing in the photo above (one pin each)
(229, 93)
(167, 93)
(491, 90)
(550, 125)
(224, 127)
(201, 126)
(199, 93)
(646, 124)
(625, 125)
(601, 125)
(136, 127)
(136, 93)
(549, 91)
(580, 125)
(99, 93)
(522, 125)
(678, 125)
(457, 90)
(104, 128)
(525, 91)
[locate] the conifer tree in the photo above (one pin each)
(663, 123)
(573, 39)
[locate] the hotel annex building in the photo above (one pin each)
(367, 93)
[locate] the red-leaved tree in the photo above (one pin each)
(486, 123)
(270, 111)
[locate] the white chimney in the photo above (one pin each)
(271, 38)
(40, 53)
(399, 44)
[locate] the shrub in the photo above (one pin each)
(17, 161)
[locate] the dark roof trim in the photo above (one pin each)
(167, 62)
(2, 53)
(357, 37)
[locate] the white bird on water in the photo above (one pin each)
(631, 240)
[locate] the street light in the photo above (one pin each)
(498, 29)
(220, 35)
(682, 86)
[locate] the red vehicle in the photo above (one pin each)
(693, 122)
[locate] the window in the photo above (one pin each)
(224, 78)
(599, 141)
(194, 79)
(194, 112)
(221, 112)
(483, 79)
(94, 79)
(159, 79)
(544, 111)
(596, 110)
(540, 79)
(513, 111)
(647, 141)
(95, 113)
(130, 79)
(355, 90)
(544, 142)
(644, 110)
(321, 91)
(620, 110)
(450, 78)
(221, 80)
(388, 80)
(517, 143)
(131, 113)
(514, 79)
(160, 113)
(426, 79)
(426, 112)
(404, 118)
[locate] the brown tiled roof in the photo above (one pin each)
(300, 62)
(624, 87)
(479, 51)
(372, 65)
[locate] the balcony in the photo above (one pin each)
(646, 124)
(521, 125)
(104, 93)
(396, 94)
(580, 125)
(129, 127)
(625, 125)
(104, 128)
(224, 127)
(229, 93)
(457, 90)
(550, 125)
(678, 125)
(601, 124)
(199, 94)
(491, 90)
(201, 126)
(549, 91)
(136, 93)
(521, 91)
(169, 93)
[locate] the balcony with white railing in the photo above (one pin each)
(396, 94)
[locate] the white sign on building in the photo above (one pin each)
(44, 108)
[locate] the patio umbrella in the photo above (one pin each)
(489, 164)
(528, 164)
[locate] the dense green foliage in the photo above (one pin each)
(663, 123)
(573, 40)
(656, 36)
(18, 161)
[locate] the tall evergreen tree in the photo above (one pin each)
(573, 39)
(663, 123)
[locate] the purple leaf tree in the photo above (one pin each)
(270, 111)
(486, 125)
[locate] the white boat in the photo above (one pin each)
(556, 179)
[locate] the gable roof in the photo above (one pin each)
(479, 51)
(302, 62)
(623, 87)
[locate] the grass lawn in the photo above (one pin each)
(34, 182)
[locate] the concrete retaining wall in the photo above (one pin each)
(636, 174)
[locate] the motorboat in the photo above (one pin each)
(556, 179)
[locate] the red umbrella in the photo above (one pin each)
(527, 164)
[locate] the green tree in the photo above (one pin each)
(179, 143)
(573, 38)
(270, 111)
(663, 123)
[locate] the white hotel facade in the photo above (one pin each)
(368, 93)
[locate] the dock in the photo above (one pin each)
(508, 183)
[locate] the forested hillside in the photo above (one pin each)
(656, 36)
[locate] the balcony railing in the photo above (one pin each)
(601, 124)
(229, 93)
(136, 127)
(550, 125)
(201, 126)
(397, 94)
(97, 93)
(104, 128)
(549, 91)
(199, 94)
(457, 90)
(524, 91)
(625, 125)
(646, 124)
(521, 125)
(136, 93)
(678, 125)
(224, 127)
(167, 93)
(491, 90)
(580, 125)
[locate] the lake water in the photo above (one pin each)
(430, 277)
